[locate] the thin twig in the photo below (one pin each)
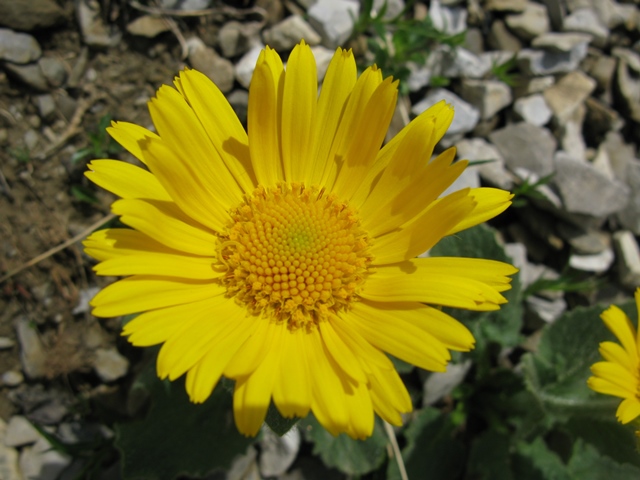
(58, 248)
(396, 450)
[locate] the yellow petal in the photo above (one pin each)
(118, 242)
(422, 233)
(163, 264)
(360, 407)
(252, 394)
(157, 326)
(342, 353)
(299, 113)
(292, 388)
(418, 281)
(187, 187)
(129, 136)
(391, 328)
(182, 133)
(389, 395)
(264, 117)
(601, 385)
(338, 83)
(613, 352)
(141, 293)
(628, 410)
(163, 222)
(620, 325)
(221, 123)
(125, 180)
(616, 374)
(490, 202)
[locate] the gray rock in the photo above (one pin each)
(585, 20)
(323, 58)
(546, 62)
(32, 353)
(568, 94)
(30, 15)
(621, 156)
(628, 85)
(393, 8)
(500, 38)
(53, 70)
(533, 85)
(419, 76)
(84, 297)
(577, 181)
(530, 23)
(148, 26)
(628, 258)
(95, 32)
(506, 5)
(463, 63)
(629, 217)
(30, 74)
(6, 343)
(563, 42)
(602, 70)
(245, 66)
(631, 58)
(11, 378)
(333, 20)
(602, 163)
(109, 364)
(46, 106)
(18, 47)
(474, 41)
(278, 453)
(571, 139)
(185, 4)
(533, 109)
(286, 34)
(556, 11)
(525, 145)
(20, 432)
(469, 178)
(466, 116)
(545, 310)
(440, 384)
(601, 118)
(42, 462)
(8, 458)
(207, 61)
(488, 96)
(450, 20)
(237, 38)
(597, 263)
(588, 242)
(494, 171)
(31, 141)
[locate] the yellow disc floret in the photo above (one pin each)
(294, 254)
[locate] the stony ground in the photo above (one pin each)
(549, 90)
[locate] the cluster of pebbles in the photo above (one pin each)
(566, 119)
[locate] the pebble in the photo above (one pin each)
(20, 432)
(440, 384)
(628, 258)
(148, 26)
(530, 23)
(588, 242)
(237, 38)
(95, 32)
(585, 20)
(30, 74)
(286, 34)
(568, 94)
(31, 139)
(333, 20)
(46, 106)
(245, 66)
(449, 20)
(488, 96)
(506, 5)
(544, 310)
(278, 453)
(12, 378)
(597, 263)
(31, 15)
(54, 71)
(207, 61)
(32, 354)
(525, 145)
(109, 364)
(466, 117)
(533, 109)
(6, 343)
(629, 217)
(42, 462)
(323, 57)
(492, 172)
(18, 47)
(501, 38)
(576, 182)
(239, 101)
(8, 458)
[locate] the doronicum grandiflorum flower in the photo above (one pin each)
(619, 374)
(284, 258)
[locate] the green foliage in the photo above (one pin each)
(395, 42)
(353, 457)
(277, 423)
(505, 71)
(101, 145)
(564, 283)
(177, 438)
(528, 190)
(22, 154)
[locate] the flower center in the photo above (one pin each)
(294, 254)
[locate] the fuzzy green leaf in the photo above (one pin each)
(178, 438)
(353, 457)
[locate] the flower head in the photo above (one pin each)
(285, 259)
(619, 374)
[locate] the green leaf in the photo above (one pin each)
(489, 457)
(277, 422)
(178, 437)
(586, 463)
(353, 457)
(432, 451)
(558, 371)
(500, 326)
(535, 461)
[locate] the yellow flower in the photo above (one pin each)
(619, 375)
(285, 259)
